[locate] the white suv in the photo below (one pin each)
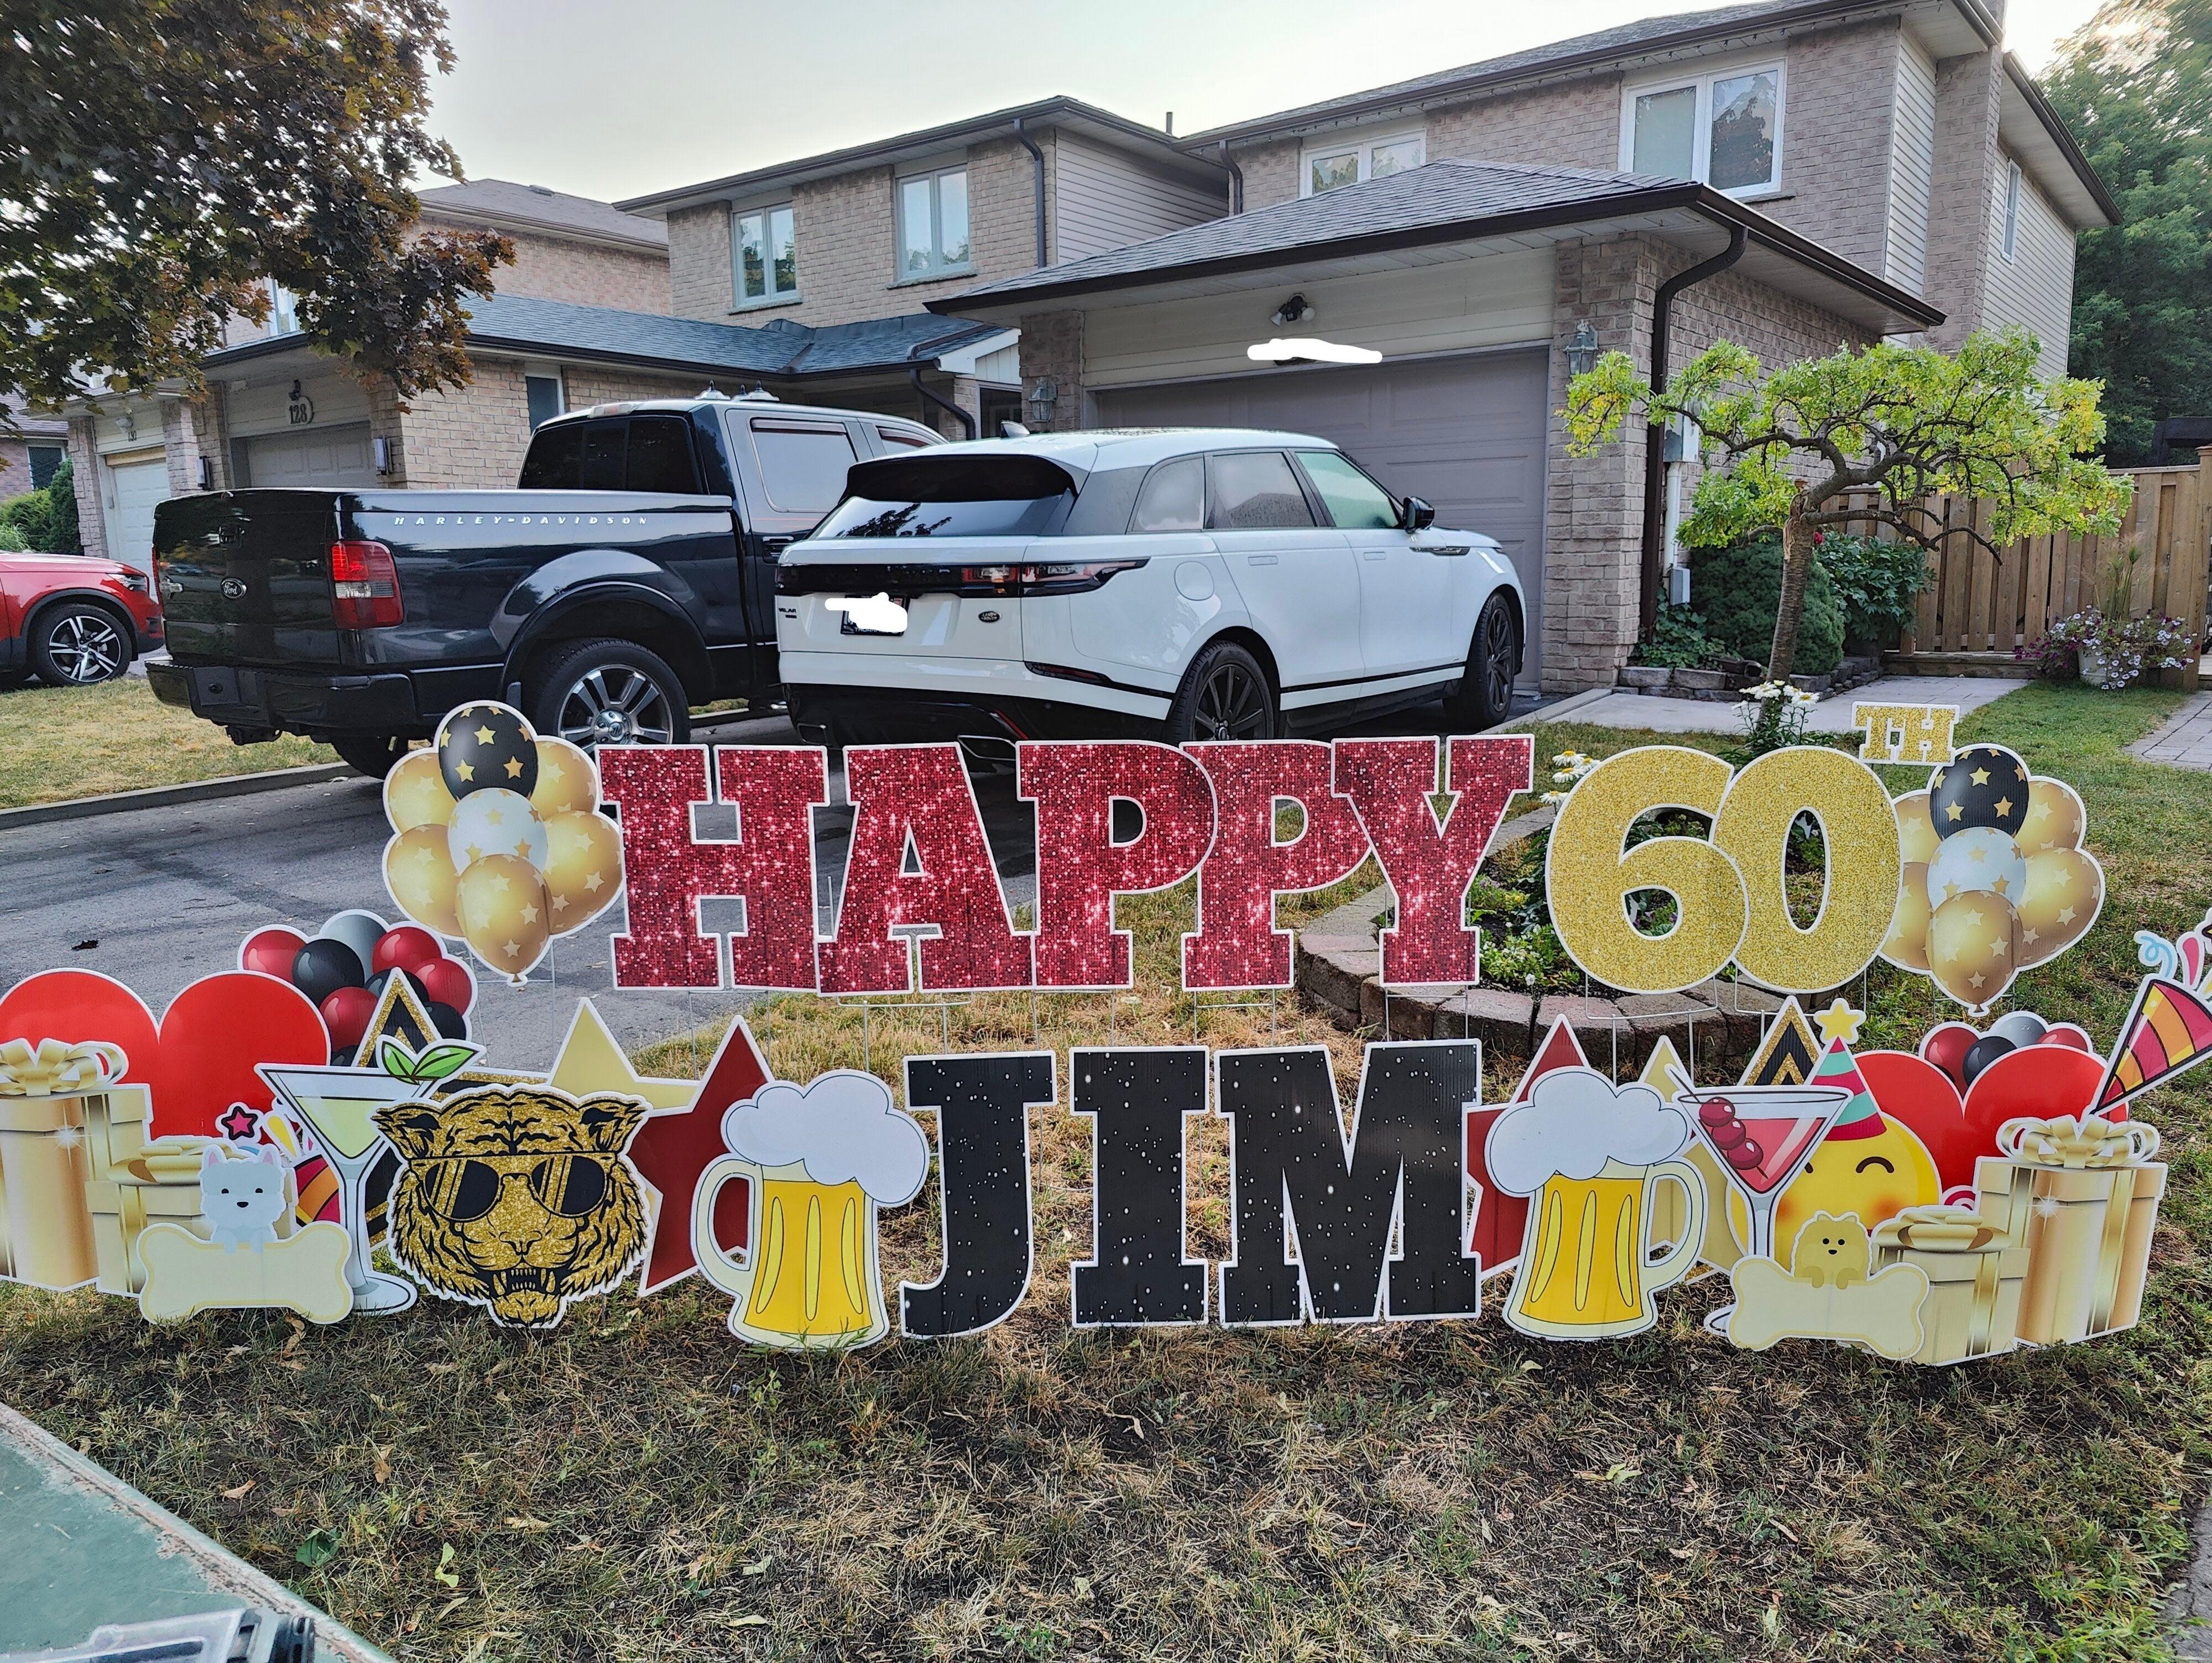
(1199, 584)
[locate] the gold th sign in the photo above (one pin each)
(1730, 902)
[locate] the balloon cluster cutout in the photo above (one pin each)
(497, 838)
(1996, 879)
(345, 966)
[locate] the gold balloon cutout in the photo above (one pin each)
(1916, 831)
(566, 780)
(1906, 944)
(1973, 947)
(504, 913)
(583, 865)
(419, 872)
(415, 793)
(2065, 891)
(2055, 818)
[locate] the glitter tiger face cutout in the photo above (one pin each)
(519, 1199)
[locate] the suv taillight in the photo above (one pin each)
(364, 586)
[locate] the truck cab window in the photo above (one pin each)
(803, 464)
(556, 461)
(661, 456)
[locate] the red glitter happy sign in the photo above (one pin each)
(921, 862)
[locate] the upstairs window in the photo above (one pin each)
(1723, 130)
(2011, 211)
(933, 224)
(283, 310)
(1342, 162)
(765, 255)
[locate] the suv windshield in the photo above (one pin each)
(951, 496)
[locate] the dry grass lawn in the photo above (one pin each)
(59, 743)
(638, 1485)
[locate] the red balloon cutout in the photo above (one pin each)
(1946, 1046)
(446, 982)
(271, 951)
(407, 948)
(346, 1014)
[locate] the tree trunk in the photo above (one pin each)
(1797, 564)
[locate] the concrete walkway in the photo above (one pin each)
(2185, 741)
(1832, 715)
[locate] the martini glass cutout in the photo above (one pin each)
(1760, 1136)
(335, 1104)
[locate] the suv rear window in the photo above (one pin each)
(615, 453)
(957, 496)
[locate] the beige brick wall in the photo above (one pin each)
(91, 516)
(1052, 349)
(586, 274)
(846, 231)
(1576, 125)
(474, 440)
(1270, 172)
(1966, 159)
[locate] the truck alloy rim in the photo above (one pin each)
(616, 704)
(85, 648)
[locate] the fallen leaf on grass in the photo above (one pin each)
(757, 1566)
(452, 1579)
(319, 1549)
(382, 1466)
(449, 1607)
(746, 1622)
(522, 1521)
(238, 1494)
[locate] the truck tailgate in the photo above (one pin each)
(245, 577)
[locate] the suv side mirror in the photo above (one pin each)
(1416, 515)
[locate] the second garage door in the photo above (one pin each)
(1466, 433)
(325, 457)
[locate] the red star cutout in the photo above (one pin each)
(240, 1125)
(673, 1148)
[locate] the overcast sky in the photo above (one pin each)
(615, 98)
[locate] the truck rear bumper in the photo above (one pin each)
(389, 702)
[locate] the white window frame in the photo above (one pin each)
(1364, 145)
(539, 370)
(764, 212)
(2014, 189)
(1701, 130)
(938, 267)
(283, 309)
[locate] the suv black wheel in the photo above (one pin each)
(1225, 694)
(79, 643)
(609, 693)
(1486, 694)
(373, 753)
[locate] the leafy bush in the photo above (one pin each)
(12, 540)
(44, 520)
(1876, 583)
(1739, 590)
(1678, 640)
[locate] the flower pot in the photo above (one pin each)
(1648, 677)
(2094, 670)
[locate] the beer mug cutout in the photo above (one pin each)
(819, 1163)
(1589, 1155)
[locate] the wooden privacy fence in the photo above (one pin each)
(1980, 607)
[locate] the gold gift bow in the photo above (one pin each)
(2064, 1141)
(52, 1069)
(1953, 1229)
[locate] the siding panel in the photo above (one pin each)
(1913, 169)
(1105, 200)
(2035, 287)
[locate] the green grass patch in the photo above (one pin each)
(59, 743)
(638, 1484)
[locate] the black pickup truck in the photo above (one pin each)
(631, 576)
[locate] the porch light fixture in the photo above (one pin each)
(1581, 351)
(1296, 310)
(1307, 349)
(207, 474)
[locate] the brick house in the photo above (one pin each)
(1815, 171)
(31, 450)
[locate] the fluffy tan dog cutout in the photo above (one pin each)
(1830, 1296)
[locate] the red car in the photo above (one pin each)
(72, 619)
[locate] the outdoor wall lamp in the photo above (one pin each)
(382, 448)
(1581, 351)
(1296, 310)
(207, 475)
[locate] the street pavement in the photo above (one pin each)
(160, 897)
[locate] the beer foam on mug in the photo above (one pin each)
(1573, 1122)
(843, 1126)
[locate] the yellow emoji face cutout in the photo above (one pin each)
(1872, 1177)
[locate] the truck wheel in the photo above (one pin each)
(609, 693)
(1224, 695)
(373, 753)
(79, 644)
(1485, 693)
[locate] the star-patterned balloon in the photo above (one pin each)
(485, 745)
(1983, 786)
(673, 1148)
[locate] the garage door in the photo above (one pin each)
(321, 456)
(1467, 434)
(136, 488)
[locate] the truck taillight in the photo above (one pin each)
(364, 586)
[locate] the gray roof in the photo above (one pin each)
(554, 328)
(1624, 41)
(17, 422)
(535, 206)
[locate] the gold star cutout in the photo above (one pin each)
(2065, 877)
(484, 737)
(513, 947)
(472, 852)
(1952, 812)
(2065, 915)
(466, 770)
(499, 883)
(522, 847)
(2031, 936)
(591, 883)
(1839, 1022)
(2019, 772)
(1999, 886)
(1996, 947)
(530, 914)
(2005, 806)
(427, 860)
(1950, 889)
(1976, 980)
(493, 816)
(590, 1060)
(1976, 855)
(514, 767)
(1974, 919)
(560, 904)
(1980, 776)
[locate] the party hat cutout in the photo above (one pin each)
(2169, 1030)
(1860, 1118)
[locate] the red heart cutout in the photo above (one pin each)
(2040, 1080)
(200, 1061)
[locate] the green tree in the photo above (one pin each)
(1867, 434)
(159, 159)
(2136, 86)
